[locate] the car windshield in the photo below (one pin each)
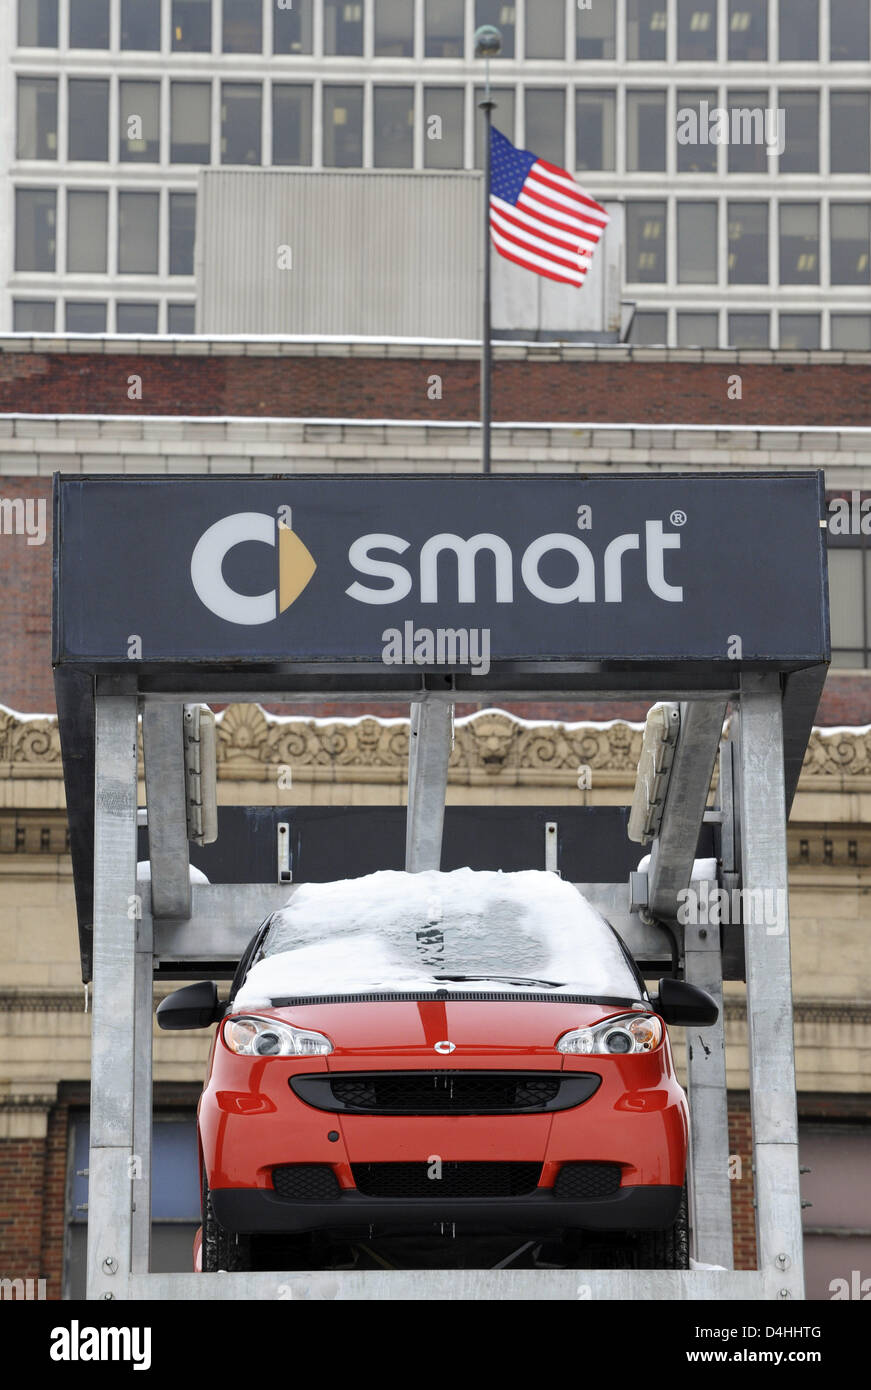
(507, 932)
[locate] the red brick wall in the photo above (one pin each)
(22, 1175)
(630, 391)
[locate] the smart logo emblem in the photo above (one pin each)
(296, 566)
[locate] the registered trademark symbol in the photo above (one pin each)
(678, 518)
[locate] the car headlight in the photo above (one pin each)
(250, 1036)
(621, 1035)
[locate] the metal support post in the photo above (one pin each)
(163, 748)
(112, 1050)
(769, 987)
(709, 1193)
(429, 752)
(674, 849)
(143, 1024)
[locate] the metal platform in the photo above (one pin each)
(154, 582)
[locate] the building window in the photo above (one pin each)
(38, 28)
(182, 232)
(136, 318)
(697, 31)
(799, 31)
(596, 31)
(89, 23)
(33, 316)
(192, 26)
(87, 222)
(649, 329)
(88, 136)
(241, 104)
(35, 228)
(696, 151)
(175, 1194)
(749, 330)
(503, 118)
(393, 134)
(748, 152)
(242, 26)
(37, 118)
(851, 332)
(546, 123)
(503, 16)
(645, 133)
(595, 126)
(850, 133)
(292, 29)
(748, 243)
(801, 154)
(748, 31)
(140, 27)
(394, 28)
(546, 29)
(443, 127)
(697, 330)
(343, 27)
(800, 332)
(343, 127)
(443, 28)
(645, 243)
(85, 316)
(191, 123)
(849, 591)
(851, 243)
(837, 1234)
(697, 243)
(181, 318)
(646, 24)
(848, 31)
(138, 227)
(799, 244)
(291, 124)
(140, 122)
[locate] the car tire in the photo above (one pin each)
(222, 1249)
(668, 1249)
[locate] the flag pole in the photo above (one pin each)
(488, 42)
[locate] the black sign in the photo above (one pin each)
(456, 573)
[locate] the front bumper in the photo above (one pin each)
(258, 1211)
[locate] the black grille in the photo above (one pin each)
(580, 1181)
(445, 1092)
(456, 1180)
(305, 1182)
(429, 1091)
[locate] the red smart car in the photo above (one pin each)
(466, 1054)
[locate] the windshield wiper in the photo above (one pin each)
(505, 979)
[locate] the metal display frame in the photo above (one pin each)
(176, 924)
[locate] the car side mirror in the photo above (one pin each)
(685, 1005)
(194, 1006)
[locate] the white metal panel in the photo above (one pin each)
(393, 252)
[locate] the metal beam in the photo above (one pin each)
(769, 985)
(224, 916)
(709, 1191)
(143, 1034)
(113, 1044)
(163, 748)
(446, 1285)
(674, 849)
(429, 753)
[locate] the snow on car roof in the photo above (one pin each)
(401, 931)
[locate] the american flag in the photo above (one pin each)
(540, 217)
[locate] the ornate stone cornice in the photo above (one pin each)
(488, 746)
(832, 1011)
